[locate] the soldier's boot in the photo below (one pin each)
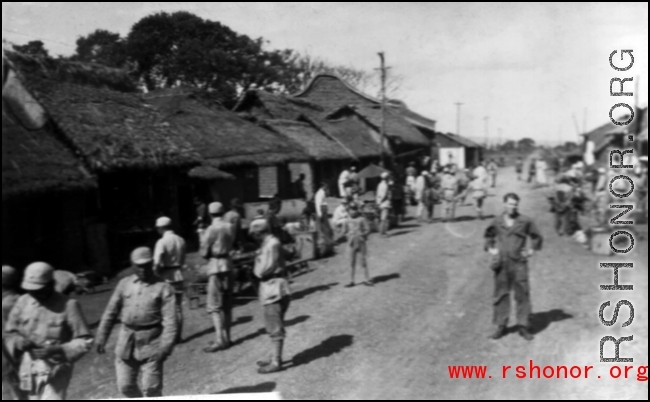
(275, 365)
(500, 333)
(218, 345)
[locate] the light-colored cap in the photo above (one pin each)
(259, 226)
(385, 175)
(163, 222)
(141, 256)
(425, 173)
(216, 208)
(10, 276)
(37, 276)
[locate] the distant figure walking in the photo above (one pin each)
(493, 169)
(532, 170)
(540, 176)
(519, 168)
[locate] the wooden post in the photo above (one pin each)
(383, 107)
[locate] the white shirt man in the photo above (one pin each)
(481, 173)
(319, 200)
(343, 180)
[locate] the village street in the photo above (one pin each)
(430, 308)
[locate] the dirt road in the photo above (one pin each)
(430, 309)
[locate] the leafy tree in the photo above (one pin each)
(184, 49)
(33, 48)
(509, 145)
(102, 47)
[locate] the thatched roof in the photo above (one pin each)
(111, 130)
(397, 128)
(315, 143)
(355, 136)
(35, 162)
(265, 106)
(352, 134)
(462, 141)
(87, 74)
(222, 137)
(332, 93)
(209, 173)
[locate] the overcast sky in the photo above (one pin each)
(530, 67)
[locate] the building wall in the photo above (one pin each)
(48, 228)
(130, 204)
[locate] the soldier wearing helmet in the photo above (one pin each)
(45, 334)
(10, 285)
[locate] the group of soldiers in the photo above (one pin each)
(45, 332)
(451, 187)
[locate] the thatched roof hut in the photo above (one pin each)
(110, 129)
(266, 106)
(397, 129)
(353, 134)
(222, 137)
(35, 162)
(314, 142)
(333, 94)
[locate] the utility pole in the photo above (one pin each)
(486, 119)
(383, 70)
(458, 105)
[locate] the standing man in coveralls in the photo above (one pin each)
(506, 241)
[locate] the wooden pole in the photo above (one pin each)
(383, 106)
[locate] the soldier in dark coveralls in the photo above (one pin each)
(506, 241)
